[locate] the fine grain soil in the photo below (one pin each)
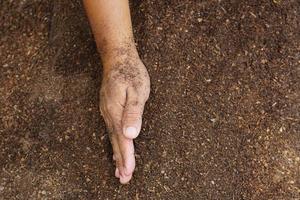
(222, 121)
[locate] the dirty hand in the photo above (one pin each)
(124, 91)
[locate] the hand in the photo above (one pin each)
(124, 91)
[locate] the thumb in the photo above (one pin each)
(132, 115)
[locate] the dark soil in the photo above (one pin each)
(222, 121)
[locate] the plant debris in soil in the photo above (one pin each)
(222, 121)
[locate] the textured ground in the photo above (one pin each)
(222, 121)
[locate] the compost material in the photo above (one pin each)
(222, 121)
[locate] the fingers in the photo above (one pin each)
(127, 151)
(128, 159)
(123, 148)
(123, 155)
(132, 114)
(117, 157)
(124, 124)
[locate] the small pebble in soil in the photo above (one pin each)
(213, 120)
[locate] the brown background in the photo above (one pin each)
(222, 121)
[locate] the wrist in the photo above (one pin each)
(112, 54)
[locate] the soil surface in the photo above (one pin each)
(222, 121)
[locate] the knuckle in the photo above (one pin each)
(132, 115)
(108, 124)
(140, 95)
(146, 93)
(143, 92)
(110, 106)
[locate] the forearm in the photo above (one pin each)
(125, 85)
(111, 25)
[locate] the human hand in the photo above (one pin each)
(125, 89)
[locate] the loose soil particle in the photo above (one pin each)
(222, 121)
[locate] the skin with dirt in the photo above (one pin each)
(124, 90)
(221, 122)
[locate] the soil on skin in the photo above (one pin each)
(222, 121)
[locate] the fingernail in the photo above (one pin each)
(131, 132)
